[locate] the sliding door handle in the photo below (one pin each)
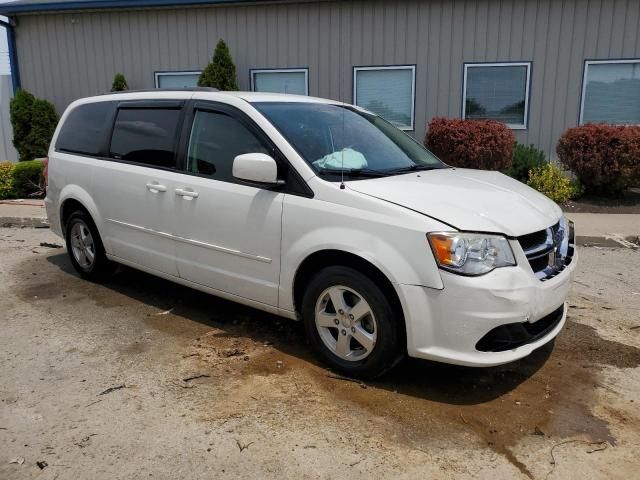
(186, 193)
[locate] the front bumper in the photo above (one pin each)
(446, 325)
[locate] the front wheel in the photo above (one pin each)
(351, 323)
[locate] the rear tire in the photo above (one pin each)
(85, 247)
(351, 323)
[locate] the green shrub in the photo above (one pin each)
(483, 144)
(221, 72)
(606, 158)
(21, 111)
(28, 179)
(554, 183)
(33, 121)
(43, 126)
(119, 83)
(6, 180)
(525, 158)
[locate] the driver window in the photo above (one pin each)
(216, 139)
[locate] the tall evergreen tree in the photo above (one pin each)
(221, 72)
(119, 83)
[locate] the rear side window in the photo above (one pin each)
(145, 135)
(86, 128)
(216, 139)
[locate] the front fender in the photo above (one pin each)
(405, 261)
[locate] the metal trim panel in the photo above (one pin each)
(32, 7)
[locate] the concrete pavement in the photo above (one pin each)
(607, 229)
(26, 213)
(141, 378)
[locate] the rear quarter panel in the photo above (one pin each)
(71, 177)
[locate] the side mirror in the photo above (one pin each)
(256, 167)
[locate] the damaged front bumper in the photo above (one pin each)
(487, 320)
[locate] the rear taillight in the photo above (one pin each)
(45, 172)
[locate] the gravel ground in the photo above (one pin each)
(143, 378)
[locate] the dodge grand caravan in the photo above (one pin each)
(313, 210)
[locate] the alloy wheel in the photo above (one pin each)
(82, 245)
(346, 323)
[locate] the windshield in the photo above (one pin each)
(336, 139)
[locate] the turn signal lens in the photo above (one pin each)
(448, 250)
(470, 253)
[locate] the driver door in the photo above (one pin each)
(228, 232)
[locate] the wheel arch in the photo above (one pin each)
(318, 260)
(69, 206)
(74, 198)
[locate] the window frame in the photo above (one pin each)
(106, 136)
(150, 104)
(409, 66)
(527, 92)
(295, 184)
(585, 70)
(160, 73)
(304, 70)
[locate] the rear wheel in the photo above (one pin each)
(85, 247)
(351, 323)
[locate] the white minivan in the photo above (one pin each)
(313, 210)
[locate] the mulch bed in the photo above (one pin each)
(629, 202)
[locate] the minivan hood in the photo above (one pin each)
(473, 200)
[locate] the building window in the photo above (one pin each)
(611, 92)
(497, 91)
(285, 80)
(177, 79)
(388, 92)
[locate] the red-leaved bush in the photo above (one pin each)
(605, 158)
(483, 144)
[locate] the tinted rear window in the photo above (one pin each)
(145, 135)
(86, 128)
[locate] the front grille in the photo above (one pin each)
(514, 335)
(549, 251)
(532, 239)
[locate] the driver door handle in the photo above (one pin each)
(186, 193)
(156, 187)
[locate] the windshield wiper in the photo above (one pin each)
(353, 172)
(413, 168)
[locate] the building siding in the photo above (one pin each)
(64, 56)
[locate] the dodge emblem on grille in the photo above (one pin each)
(557, 237)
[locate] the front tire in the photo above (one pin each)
(351, 323)
(85, 247)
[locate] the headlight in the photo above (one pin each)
(470, 253)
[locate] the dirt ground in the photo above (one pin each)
(140, 378)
